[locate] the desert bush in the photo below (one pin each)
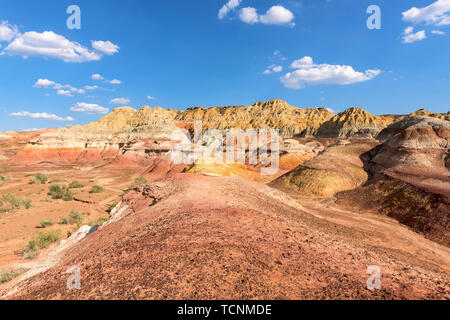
(39, 178)
(3, 179)
(99, 222)
(75, 185)
(8, 275)
(42, 241)
(57, 192)
(137, 182)
(3, 170)
(45, 223)
(74, 217)
(96, 189)
(9, 202)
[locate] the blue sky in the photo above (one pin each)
(181, 53)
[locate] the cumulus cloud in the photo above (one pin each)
(7, 32)
(41, 115)
(107, 47)
(309, 74)
(276, 15)
(409, 36)
(45, 83)
(115, 81)
(437, 13)
(121, 101)
(49, 44)
(89, 108)
(96, 76)
(227, 7)
(62, 92)
(249, 15)
(441, 33)
(273, 69)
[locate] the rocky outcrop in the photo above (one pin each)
(340, 167)
(275, 114)
(410, 177)
(418, 142)
(354, 122)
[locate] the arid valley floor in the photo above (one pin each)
(353, 190)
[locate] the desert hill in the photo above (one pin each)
(243, 240)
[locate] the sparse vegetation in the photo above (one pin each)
(46, 223)
(57, 192)
(75, 185)
(42, 241)
(39, 178)
(9, 202)
(111, 206)
(8, 275)
(74, 217)
(137, 182)
(56, 181)
(99, 222)
(97, 189)
(3, 179)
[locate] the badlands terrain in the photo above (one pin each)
(352, 190)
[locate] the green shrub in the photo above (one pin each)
(8, 275)
(3, 179)
(74, 217)
(75, 185)
(42, 241)
(140, 180)
(137, 182)
(56, 192)
(96, 189)
(43, 178)
(46, 223)
(9, 202)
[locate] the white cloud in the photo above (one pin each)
(91, 87)
(49, 44)
(151, 98)
(41, 115)
(409, 36)
(276, 15)
(249, 15)
(310, 74)
(89, 108)
(115, 81)
(438, 13)
(44, 83)
(7, 32)
(96, 76)
(64, 93)
(107, 47)
(227, 7)
(441, 33)
(122, 101)
(273, 69)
